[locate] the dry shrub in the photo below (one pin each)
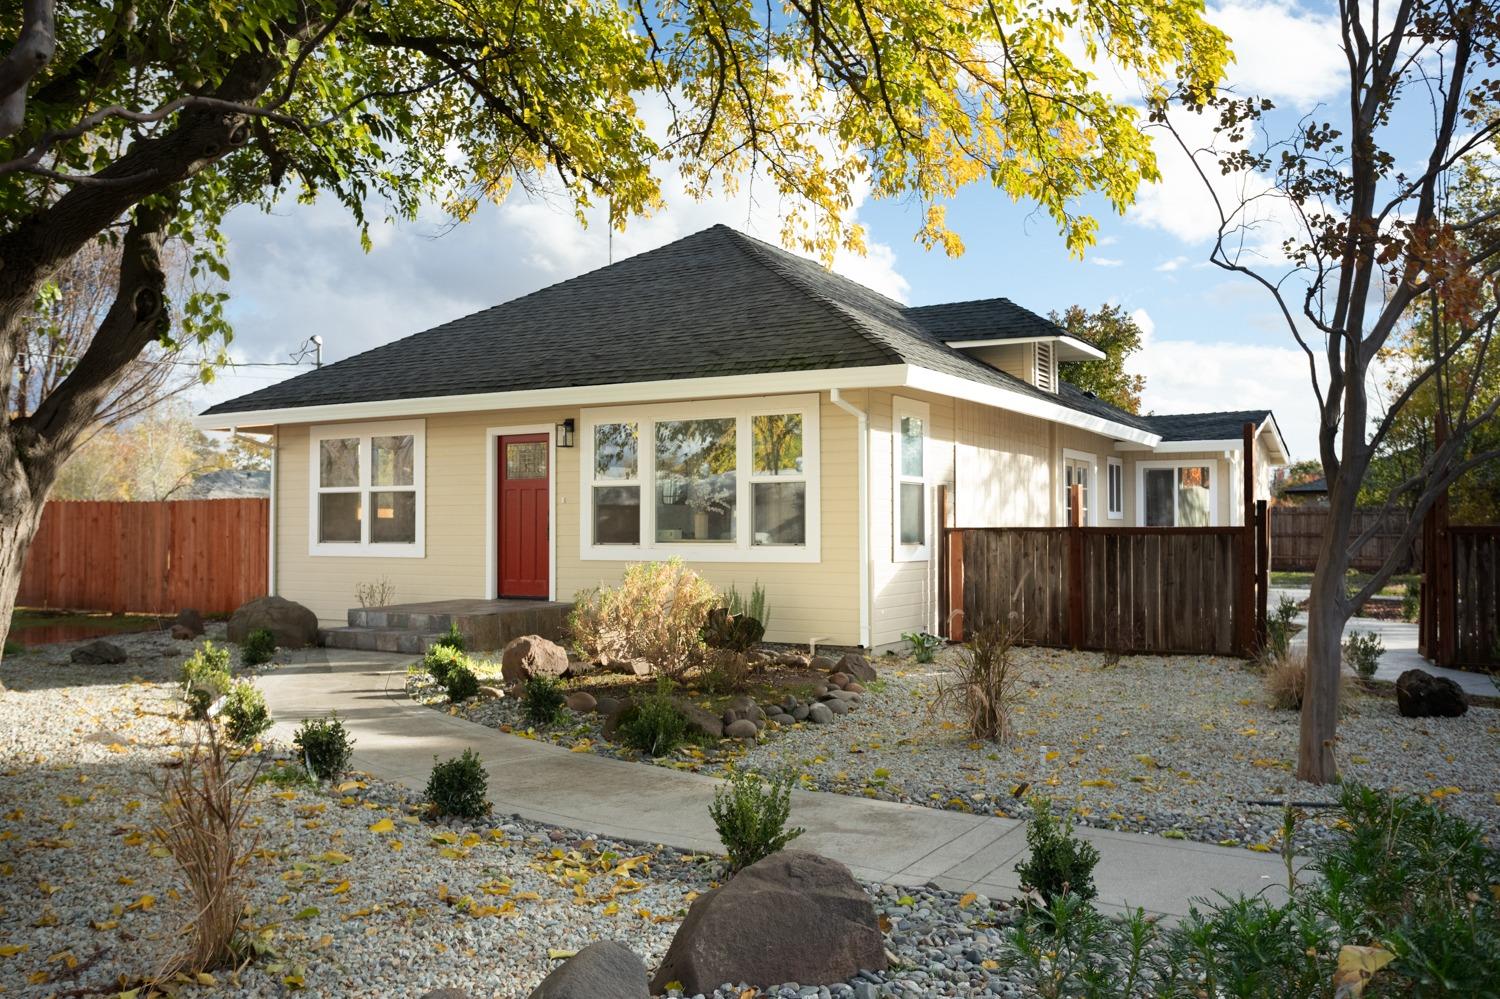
(1286, 677)
(726, 672)
(983, 686)
(204, 803)
(656, 614)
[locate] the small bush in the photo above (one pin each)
(380, 593)
(924, 647)
(1411, 601)
(205, 678)
(750, 812)
(1059, 863)
(324, 746)
(753, 606)
(454, 639)
(461, 683)
(543, 699)
(245, 715)
(982, 686)
(440, 660)
(1286, 678)
(732, 632)
(726, 672)
(656, 614)
(1362, 652)
(1279, 631)
(655, 726)
(458, 787)
(259, 647)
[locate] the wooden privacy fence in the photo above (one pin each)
(152, 558)
(1459, 624)
(1299, 531)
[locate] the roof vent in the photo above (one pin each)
(1046, 367)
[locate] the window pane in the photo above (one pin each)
(395, 518)
(780, 513)
(913, 516)
(616, 447)
(338, 517)
(911, 446)
(1075, 472)
(778, 444)
(1192, 496)
(392, 460)
(338, 462)
(1159, 486)
(695, 480)
(526, 460)
(617, 515)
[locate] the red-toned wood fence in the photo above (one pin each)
(1459, 623)
(1299, 533)
(152, 558)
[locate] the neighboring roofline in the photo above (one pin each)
(771, 382)
(1082, 346)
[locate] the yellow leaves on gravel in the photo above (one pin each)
(142, 904)
(383, 826)
(11, 950)
(333, 857)
(1357, 965)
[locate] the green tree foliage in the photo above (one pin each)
(1112, 330)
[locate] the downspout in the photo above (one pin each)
(862, 419)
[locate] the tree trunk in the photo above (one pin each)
(1320, 692)
(20, 515)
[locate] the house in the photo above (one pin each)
(728, 402)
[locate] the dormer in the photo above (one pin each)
(1006, 337)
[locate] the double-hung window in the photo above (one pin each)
(1078, 470)
(1176, 493)
(909, 479)
(731, 480)
(1116, 472)
(367, 489)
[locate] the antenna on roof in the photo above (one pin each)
(609, 225)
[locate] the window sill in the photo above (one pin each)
(333, 550)
(707, 552)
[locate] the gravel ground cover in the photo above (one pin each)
(355, 894)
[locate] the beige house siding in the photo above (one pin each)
(807, 600)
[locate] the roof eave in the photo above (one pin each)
(927, 380)
(1079, 350)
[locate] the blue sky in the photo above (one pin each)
(1213, 342)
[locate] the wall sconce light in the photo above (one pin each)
(565, 433)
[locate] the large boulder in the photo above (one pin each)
(606, 969)
(292, 625)
(857, 666)
(532, 655)
(793, 917)
(99, 653)
(1419, 694)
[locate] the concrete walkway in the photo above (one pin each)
(397, 739)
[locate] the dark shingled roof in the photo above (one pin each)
(1206, 426)
(984, 319)
(1312, 487)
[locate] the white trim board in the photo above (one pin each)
(492, 482)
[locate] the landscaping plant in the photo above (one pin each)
(725, 672)
(205, 678)
(259, 647)
(244, 715)
(324, 746)
(732, 632)
(459, 787)
(1411, 601)
(453, 639)
(754, 606)
(655, 615)
(654, 725)
(1362, 652)
(380, 593)
(1059, 862)
(1279, 631)
(441, 659)
(461, 683)
(924, 647)
(204, 807)
(543, 699)
(1286, 678)
(983, 684)
(750, 812)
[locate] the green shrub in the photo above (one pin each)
(461, 683)
(1411, 601)
(440, 659)
(732, 632)
(1362, 651)
(324, 746)
(259, 647)
(245, 715)
(454, 639)
(543, 698)
(654, 725)
(1279, 631)
(656, 614)
(924, 647)
(458, 787)
(754, 606)
(205, 678)
(750, 812)
(1059, 862)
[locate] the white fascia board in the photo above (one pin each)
(927, 380)
(766, 383)
(1073, 344)
(1284, 455)
(1234, 444)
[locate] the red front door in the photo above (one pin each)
(522, 516)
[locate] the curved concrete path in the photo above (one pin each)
(397, 739)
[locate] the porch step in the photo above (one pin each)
(388, 639)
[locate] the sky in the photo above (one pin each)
(1213, 339)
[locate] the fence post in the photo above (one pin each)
(1244, 611)
(1262, 569)
(956, 585)
(945, 525)
(1075, 566)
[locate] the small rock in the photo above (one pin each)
(824, 664)
(490, 693)
(607, 706)
(854, 687)
(800, 712)
(840, 680)
(107, 737)
(857, 666)
(742, 729)
(182, 633)
(581, 702)
(98, 653)
(837, 706)
(446, 994)
(529, 656)
(700, 719)
(819, 714)
(605, 969)
(188, 620)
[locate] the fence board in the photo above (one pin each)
(1476, 596)
(152, 558)
(1299, 532)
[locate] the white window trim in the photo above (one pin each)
(492, 437)
(1093, 463)
(1112, 467)
(741, 549)
(1214, 474)
(365, 548)
(903, 407)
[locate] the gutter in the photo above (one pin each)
(862, 419)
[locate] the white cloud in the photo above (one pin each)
(1167, 266)
(1282, 52)
(1106, 261)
